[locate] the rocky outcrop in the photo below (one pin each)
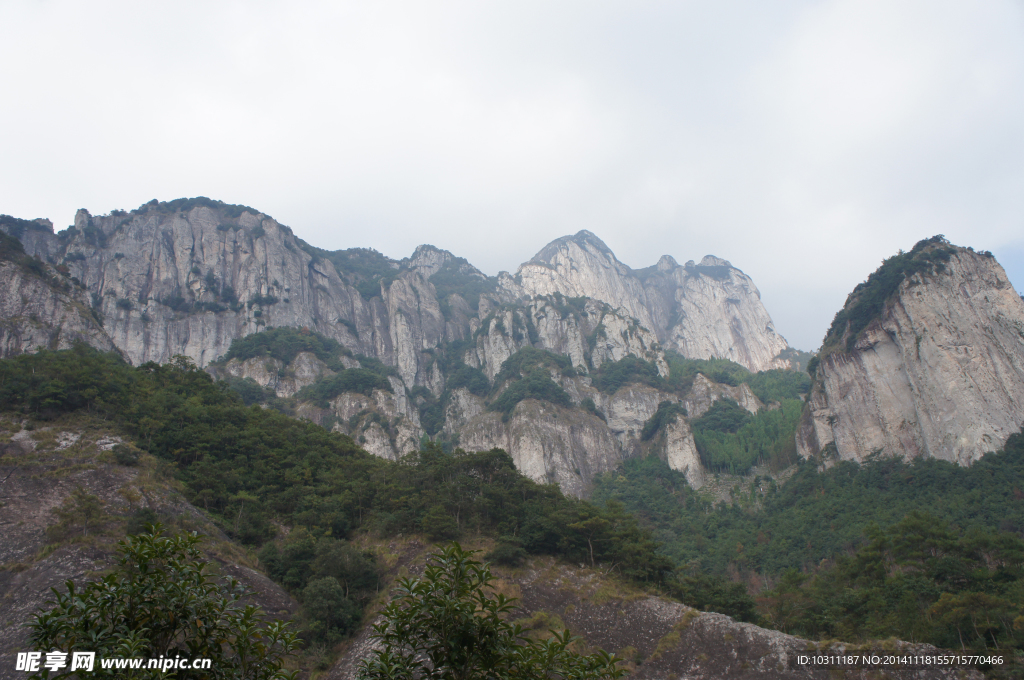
(571, 446)
(703, 311)
(284, 380)
(384, 423)
(939, 373)
(44, 312)
(704, 393)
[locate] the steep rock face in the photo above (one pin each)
(940, 373)
(35, 314)
(548, 443)
(189, 282)
(589, 334)
(386, 424)
(272, 373)
(583, 266)
(702, 311)
(704, 393)
(571, 446)
(681, 452)
(190, 276)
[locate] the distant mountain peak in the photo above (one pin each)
(584, 239)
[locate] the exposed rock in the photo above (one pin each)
(271, 373)
(709, 310)
(189, 277)
(940, 374)
(386, 424)
(681, 452)
(35, 314)
(704, 393)
(548, 443)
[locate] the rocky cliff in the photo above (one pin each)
(925, 360)
(191, 276)
(701, 310)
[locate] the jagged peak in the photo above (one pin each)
(667, 263)
(712, 261)
(428, 260)
(585, 239)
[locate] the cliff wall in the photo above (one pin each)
(939, 373)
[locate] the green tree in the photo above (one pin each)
(446, 625)
(160, 601)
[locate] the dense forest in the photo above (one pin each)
(923, 550)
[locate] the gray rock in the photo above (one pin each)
(939, 375)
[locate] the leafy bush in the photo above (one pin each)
(16, 227)
(187, 204)
(162, 602)
(528, 358)
(262, 301)
(730, 439)
(359, 380)
(364, 268)
(537, 384)
(589, 406)
(682, 371)
(449, 624)
(453, 278)
(779, 384)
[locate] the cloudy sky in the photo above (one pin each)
(804, 141)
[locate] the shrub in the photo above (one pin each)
(160, 602)
(447, 625)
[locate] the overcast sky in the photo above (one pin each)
(803, 141)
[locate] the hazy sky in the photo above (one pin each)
(804, 141)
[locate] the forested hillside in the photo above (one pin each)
(925, 551)
(256, 470)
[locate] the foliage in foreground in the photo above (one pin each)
(447, 625)
(161, 602)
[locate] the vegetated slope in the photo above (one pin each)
(926, 359)
(654, 636)
(70, 488)
(858, 551)
(300, 372)
(255, 469)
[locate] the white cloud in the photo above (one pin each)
(804, 141)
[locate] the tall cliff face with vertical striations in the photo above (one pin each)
(925, 360)
(189, 277)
